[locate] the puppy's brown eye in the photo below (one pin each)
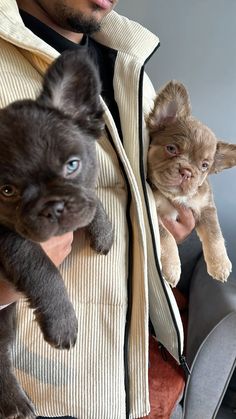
(172, 149)
(205, 166)
(8, 191)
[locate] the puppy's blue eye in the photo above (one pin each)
(172, 149)
(72, 166)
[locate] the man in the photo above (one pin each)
(106, 374)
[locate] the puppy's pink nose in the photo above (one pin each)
(185, 173)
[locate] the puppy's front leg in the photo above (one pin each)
(209, 232)
(27, 266)
(170, 260)
(14, 403)
(101, 231)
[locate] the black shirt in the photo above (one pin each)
(103, 57)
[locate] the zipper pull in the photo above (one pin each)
(184, 365)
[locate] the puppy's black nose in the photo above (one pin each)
(185, 173)
(53, 210)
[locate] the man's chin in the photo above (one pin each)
(84, 25)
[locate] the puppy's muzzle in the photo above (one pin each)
(44, 214)
(53, 210)
(185, 173)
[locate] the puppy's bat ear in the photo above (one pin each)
(171, 102)
(225, 157)
(72, 86)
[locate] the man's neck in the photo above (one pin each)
(34, 9)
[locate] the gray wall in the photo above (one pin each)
(198, 47)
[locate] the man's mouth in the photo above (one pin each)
(104, 4)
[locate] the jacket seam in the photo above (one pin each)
(142, 176)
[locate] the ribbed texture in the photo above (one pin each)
(100, 298)
(77, 382)
(13, 29)
(127, 36)
(88, 381)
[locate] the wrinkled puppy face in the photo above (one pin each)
(48, 167)
(180, 157)
(183, 151)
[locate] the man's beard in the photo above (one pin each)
(82, 24)
(76, 22)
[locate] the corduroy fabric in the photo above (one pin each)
(88, 381)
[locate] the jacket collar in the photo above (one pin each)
(126, 36)
(117, 32)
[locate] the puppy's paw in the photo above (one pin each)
(171, 272)
(220, 269)
(59, 327)
(103, 241)
(14, 403)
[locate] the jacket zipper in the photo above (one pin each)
(183, 362)
(129, 286)
(184, 365)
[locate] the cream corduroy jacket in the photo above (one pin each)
(113, 295)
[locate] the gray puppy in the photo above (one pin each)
(48, 174)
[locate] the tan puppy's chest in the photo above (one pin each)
(165, 207)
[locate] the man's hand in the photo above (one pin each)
(56, 248)
(183, 226)
(8, 294)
